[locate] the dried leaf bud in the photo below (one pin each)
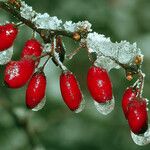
(76, 36)
(129, 76)
(138, 59)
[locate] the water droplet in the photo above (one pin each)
(105, 108)
(81, 107)
(142, 139)
(5, 56)
(40, 105)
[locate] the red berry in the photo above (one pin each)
(129, 95)
(70, 90)
(8, 34)
(137, 116)
(99, 84)
(32, 47)
(17, 73)
(36, 90)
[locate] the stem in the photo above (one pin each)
(42, 68)
(44, 33)
(141, 82)
(70, 56)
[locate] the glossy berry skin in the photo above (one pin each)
(99, 84)
(70, 90)
(17, 73)
(128, 95)
(32, 48)
(36, 90)
(8, 34)
(137, 116)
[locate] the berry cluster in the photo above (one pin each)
(27, 70)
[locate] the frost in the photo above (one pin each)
(84, 25)
(109, 54)
(70, 26)
(106, 63)
(142, 139)
(47, 48)
(127, 52)
(26, 11)
(79, 26)
(5, 56)
(44, 21)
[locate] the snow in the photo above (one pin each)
(79, 26)
(108, 53)
(44, 21)
(5, 56)
(26, 11)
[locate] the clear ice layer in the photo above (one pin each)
(81, 107)
(142, 139)
(5, 56)
(40, 105)
(105, 108)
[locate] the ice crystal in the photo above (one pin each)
(5, 56)
(26, 11)
(70, 26)
(105, 108)
(79, 26)
(40, 105)
(81, 107)
(109, 54)
(44, 21)
(142, 139)
(84, 25)
(47, 47)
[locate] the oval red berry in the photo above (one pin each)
(17, 73)
(70, 90)
(8, 34)
(99, 84)
(137, 116)
(36, 90)
(128, 95)
(32, 48)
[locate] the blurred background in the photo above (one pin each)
(55, 127)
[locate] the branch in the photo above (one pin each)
(45, 34)
(81, 32)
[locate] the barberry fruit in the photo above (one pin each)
(36, 90)
(129, 94)
(17, 73)
(32, 48)
(70, 90)
(137, 116)
(8, 34)
(99, 84)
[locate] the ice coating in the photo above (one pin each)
(108, 52)
(5, 56)
(105, 108)
(40, 105)
(142, 139)
(81, 107)
(44, 21)
(26, 11)
(13, 71)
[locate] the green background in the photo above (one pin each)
(57, 128)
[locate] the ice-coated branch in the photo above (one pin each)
(109, 55)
